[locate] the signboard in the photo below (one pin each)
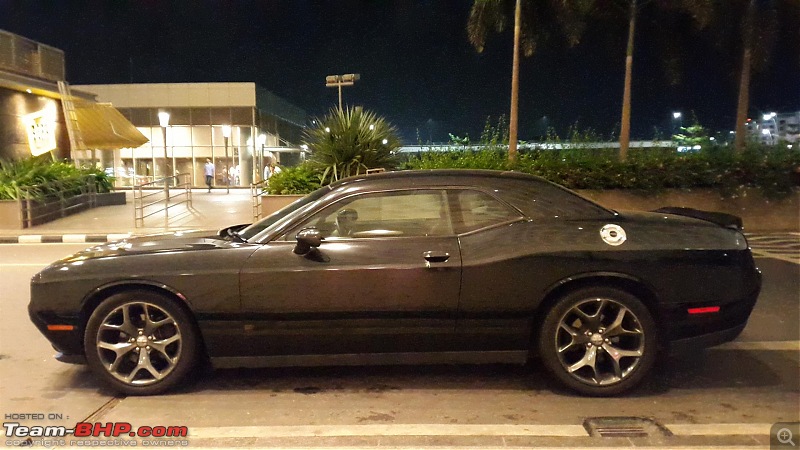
(41, 129)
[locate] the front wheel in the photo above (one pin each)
(140, 342)
(598, 341)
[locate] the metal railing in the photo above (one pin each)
(256, 191)
(153, 198)
(43, 202)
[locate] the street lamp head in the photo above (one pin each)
(769, 116)
(226, 131)
(163, 118)
(327, 129)
(676, 115)
(350, 77)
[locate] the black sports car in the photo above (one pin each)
(407, 268)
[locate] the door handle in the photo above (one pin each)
(436, 256)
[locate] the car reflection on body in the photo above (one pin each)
(408, 267)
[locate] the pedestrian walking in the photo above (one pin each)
(209, 171)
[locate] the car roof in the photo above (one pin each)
(439, 176)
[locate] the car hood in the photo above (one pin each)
(155, 243)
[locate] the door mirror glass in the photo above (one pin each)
(307, 239)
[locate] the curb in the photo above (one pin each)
(62, 238)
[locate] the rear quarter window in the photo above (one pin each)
(540, 200)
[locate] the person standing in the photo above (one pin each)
(209, 171)
(270, 170)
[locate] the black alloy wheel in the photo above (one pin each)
(140, 342)
(598, 341)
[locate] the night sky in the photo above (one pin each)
(417, 67)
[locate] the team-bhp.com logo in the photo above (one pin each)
(96, 429)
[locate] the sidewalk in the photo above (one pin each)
(213, 210)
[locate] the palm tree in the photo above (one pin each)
(699, 10)
(491, 15)
(351, 141)
(756, 24)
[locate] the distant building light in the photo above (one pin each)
(676, 115)
(327, 129)
(696, 147)
(385, 141)
(765, 131)
(712, 139)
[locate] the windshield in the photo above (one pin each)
(268, 221)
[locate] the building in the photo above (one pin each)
(775, 127)
(32, 107)
(259, 125)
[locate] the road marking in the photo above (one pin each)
(720, 429)
(281, 431)
(388, 430)
(762, 345)
(438, 447)
(789, 258)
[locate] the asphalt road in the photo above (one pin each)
(724, 397)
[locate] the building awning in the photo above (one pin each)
(103, 127)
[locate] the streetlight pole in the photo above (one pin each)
(163, 120)
(348, 79)
(262, 139)
(226, 133)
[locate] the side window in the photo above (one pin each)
(384, 214)
(475, 210)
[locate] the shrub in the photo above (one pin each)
(301, 179)
(36, 175)
(768, 169)
(348, 142)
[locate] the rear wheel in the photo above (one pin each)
(598, 341)
(140, 342)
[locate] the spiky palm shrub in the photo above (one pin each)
(348, 142)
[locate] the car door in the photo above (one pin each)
(385, 279)
(493, 308)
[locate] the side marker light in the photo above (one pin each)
(704, 310)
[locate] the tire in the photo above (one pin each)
(598, 341)
(140, 342)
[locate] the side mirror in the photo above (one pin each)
(307, 239)
(231, 230)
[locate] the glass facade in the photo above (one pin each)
(194, 135)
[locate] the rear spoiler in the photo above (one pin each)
(721, 219)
